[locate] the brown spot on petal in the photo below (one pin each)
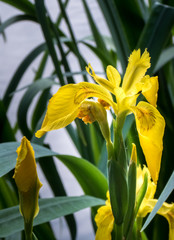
(104, 104)
(146, 119)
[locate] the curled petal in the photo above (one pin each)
(149, 88)
(63, 107)
(136, 70)
(102, 81)
(27, 180)
(113, 76)
(150, 125)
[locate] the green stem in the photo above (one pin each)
(28, 230)
(119, 146)
(139, 226)
(119, 232)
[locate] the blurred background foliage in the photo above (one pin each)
(132, 25)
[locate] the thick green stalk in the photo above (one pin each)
(117, 172)
(28, 230)
(119, 232)
(119, 146)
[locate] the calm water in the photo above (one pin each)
(21, 39)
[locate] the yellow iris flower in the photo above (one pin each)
(67, 103)
(27, 181)
(105, 219)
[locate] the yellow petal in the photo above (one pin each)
(150, 125)
(149, 88)
(113, 76)
(105, 221)
(151, 187)
(102, 81)
(136, 70)
(63, 107)
(167, 211)
(124, 102)
(27, 180)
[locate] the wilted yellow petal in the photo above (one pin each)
(27, 180)
(167, 211)
(105, 221)
(64, 106)
(136, 70)
(150, 125)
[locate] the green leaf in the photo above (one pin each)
(92, 181)
(132, 18)
(57, 187)
(45, 25)
(69, 27)
(141, 193)
(164, 195)
(25, 103)
(113, 20)
(6, 133)
(166, 56)
(11, 221)
(8, 155)
(15, 19)
(157, 31)
(23, 5)
(105, 58)
(20, 72)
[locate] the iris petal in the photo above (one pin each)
(136, 70)
(150, 126)
(105, 221)
(64, 106)
(113, 76)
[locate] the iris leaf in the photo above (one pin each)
(11, 221)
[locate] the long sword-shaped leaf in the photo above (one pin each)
(44, 22)
(15, 19)
(12, 222)
(20, 71)
(8, 155)
(157, 31)
(26, 102)
(92, 181)
(110, 12)
(23, 5)
(164, 195)
(166, 55)
(53, 178)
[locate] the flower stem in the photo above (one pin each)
(119, 146)
(119, 232)
(28, 230)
